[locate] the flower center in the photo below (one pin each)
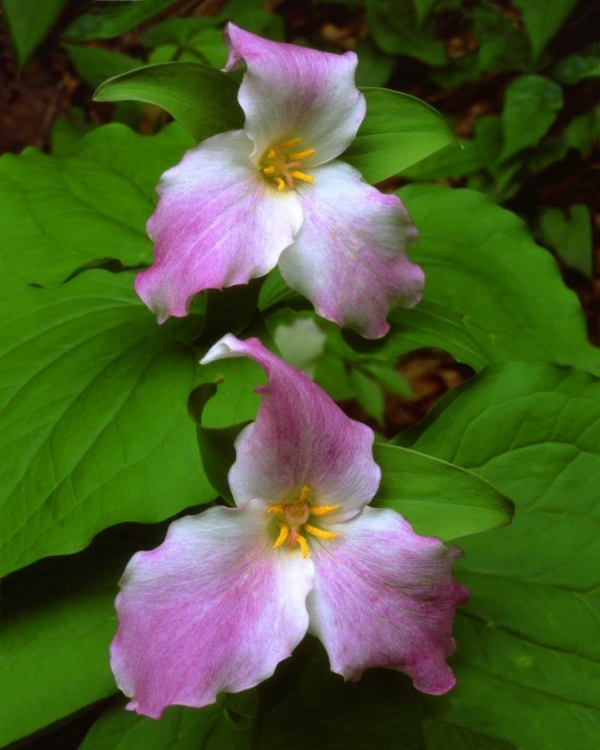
(281, 165)
(292, 517)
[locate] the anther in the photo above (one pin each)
(269, 170)
(302, 176)
(278, 508)
(319, 532)
(302, 154)
(271, 154)
(304, 493)
(283, 535)
(323, 510)
(303, 546)
(280, 183)
(288, 144)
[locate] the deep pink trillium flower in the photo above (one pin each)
(273, 193)
(232, 591)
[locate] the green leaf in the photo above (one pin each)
(202, 99)
(93, 407)
(534, 100)
(96, 64)
(29, 21)
(503, 46)
(438, 499)
(367, 392)
(58, 619)
(449, 162)
(67, 130)
(527, 641)
(397, 132)
(109, 20)
(63, 213)
(423, 9)
(374, 68)
(220, 407)
(393, 24)
(491, 294)
(583, 132)
(570, 234)
(180, 728)
(542, 19)
(578, 67)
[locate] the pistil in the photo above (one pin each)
(293, 519)
(280, 166)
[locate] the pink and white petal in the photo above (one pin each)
(295, 92)
(350, 257)
(217, 223)
(214, 608)
(384, 597)
(300, 437)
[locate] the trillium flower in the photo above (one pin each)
(273, 193)
(232, 591)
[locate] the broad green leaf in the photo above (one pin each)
(423, 9)
(29, 21)
(203, 100)
(367, 392)
(542, 19)
(177, 31)
(374, 67)
(449, 162)
(58, 619)
(393, 24)
(534, 100)
(503, 45)
(111, 19)
(93, 406)
(180, 728)
(528, 663)
(570, 234)
(578, 67)
(491, 294)
(323, 712)
(397, 132)
(438, 499)
(96, 64)
(220, 407)
(583, 132)
(379, 711)
(63, 213)
(67, 130)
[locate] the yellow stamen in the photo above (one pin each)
(275, 509)
(288, 144)
(283, 535)
(319, 532)
(271, 154)
(303, 154)
(303, 546)
(322, 510)
(269, 170)
(304, 493)
(280, 183)
(302, 176)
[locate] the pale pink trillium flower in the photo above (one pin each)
(232, 591)
(243, 201)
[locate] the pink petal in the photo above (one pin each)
(384, 597)
(295, 92)
(217, 223)
(300, 437)
(350, 257)
(214, 608)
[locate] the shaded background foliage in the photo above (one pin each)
(517, 82)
